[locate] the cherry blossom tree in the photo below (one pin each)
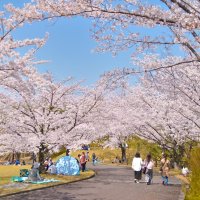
(16, 66)
(163, 107)
(47, 115)
(115, 24)
(171, 24)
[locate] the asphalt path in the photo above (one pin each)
(110, 183)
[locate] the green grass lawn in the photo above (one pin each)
(9, 187)
(11, 170)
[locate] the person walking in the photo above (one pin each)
(137, 167)
(164, 169)
(148, 169)
(185, 171)
(87, 156)
(79, 161)
(93, 158)
(67, 152)
(83, 161)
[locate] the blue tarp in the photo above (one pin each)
(18, 179)
(67, 165)
(44, 181)
(25, 180)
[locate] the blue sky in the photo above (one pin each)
(69, 48)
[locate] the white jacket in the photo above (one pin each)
(137, 164)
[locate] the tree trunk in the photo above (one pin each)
(43, 150)
(123, 151)
(13, 157)
(156, 162)
(17, 155)
(33, 157)
(177, 155)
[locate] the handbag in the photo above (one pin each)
(144, 170)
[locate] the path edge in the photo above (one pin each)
(50, 186)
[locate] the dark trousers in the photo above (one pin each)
(138, 175)
(149, 176)
(83, 166)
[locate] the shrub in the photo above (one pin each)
(194, 190)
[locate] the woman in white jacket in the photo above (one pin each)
(137, 167)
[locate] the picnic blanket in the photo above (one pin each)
(25, 180)
(43, 181)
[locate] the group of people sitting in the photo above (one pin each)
(15, 162)
(50, 166)
(116, 160)
(47, 163)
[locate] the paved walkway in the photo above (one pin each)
(110, 183)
